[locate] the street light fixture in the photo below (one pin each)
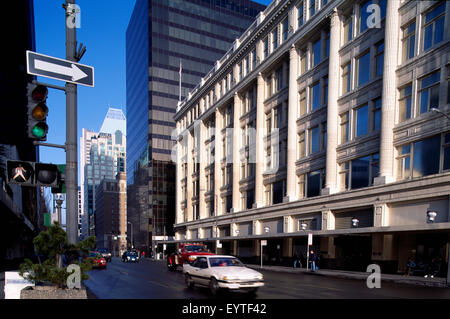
(303, 226)
(436, 110)
(355, 222)
(431, 216)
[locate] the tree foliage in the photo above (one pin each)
(54, 255)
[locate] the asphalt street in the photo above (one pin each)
(152, 280)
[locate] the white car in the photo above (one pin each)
(222, 272)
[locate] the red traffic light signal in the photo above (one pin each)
(37, 112)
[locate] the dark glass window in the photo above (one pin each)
(447, 151)
(379, 58)
(363, 65)
(405, 105)
(364, 16)
(429, 92)
(362, 115)
(316, 53)
(313, 184)
(315, 96)
(408, 41)
(426, 156)
(250, 198)
(278, 192)
(314, 145)
(300, 15)
(377, 115)
(434, 26)
(360, 172)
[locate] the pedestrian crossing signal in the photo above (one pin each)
(19, 172)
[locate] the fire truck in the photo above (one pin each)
(186, 254)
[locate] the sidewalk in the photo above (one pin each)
(399, 279)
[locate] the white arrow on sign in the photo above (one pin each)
(73, 71)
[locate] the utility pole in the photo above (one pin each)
(71, 178)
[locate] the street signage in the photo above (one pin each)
(263, 242)
(59, 69)
(310, 239)
(218, 244)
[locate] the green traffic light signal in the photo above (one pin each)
(37, 112)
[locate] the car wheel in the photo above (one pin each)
(253, 291)
(189, 281)
(214, 287)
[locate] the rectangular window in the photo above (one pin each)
(266, 47)
(314, 95)
(405, 103)
(325, 90)
(404, 162)
(279, 79)
(285, 26)
(434, 26)
(379, 59)
(348, 30)
(429, 92)
(323, 136)
(426, 156)
(364, 15)
(446, 151)
(254, 58)
(408, 41)
(346, 78)
(376, 115)
(314, 183)
(316, 53)
(301, 145)
(300, 15)
(302, 104)
(275, 39)
(344, 175)
(360, 175)
(361, 120)
(314, 144)
(363, 68)
(303, 65)
(312, 8)
(345, 129)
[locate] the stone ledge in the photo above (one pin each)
(49, 292)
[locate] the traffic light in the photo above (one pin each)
(33, 174)
(37, 112)
(19, 172)
(47, 174)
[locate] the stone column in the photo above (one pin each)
(217, 159)
(178, 194)
(331, 185)
(389, 94)
(259, 165)
(236, 153)
(291, 176)
(190, 171)
(202, 176)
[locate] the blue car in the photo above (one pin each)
(130, 257)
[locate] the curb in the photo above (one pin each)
(357, 276)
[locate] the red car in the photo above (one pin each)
(98, 261)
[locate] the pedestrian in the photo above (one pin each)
(432, 269)
(409, 267)
(312, 260)
(295, 260)
(143, 254)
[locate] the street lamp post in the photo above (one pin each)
(266, 230)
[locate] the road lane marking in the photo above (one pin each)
(157, 283)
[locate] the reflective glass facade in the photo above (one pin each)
(162, 38)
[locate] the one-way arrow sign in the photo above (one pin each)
(64, 70)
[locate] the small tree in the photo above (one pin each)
(54, 255)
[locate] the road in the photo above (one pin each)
(151, 280)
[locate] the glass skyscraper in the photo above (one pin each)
(166, 39)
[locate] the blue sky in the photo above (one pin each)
(103, 27)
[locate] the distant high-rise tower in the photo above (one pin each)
(103, 155)
(167, 40)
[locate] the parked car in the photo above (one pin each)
(130, 256)
(222, 272)
(105, 254)
(97, 260)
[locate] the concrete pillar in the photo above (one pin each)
(257, 247)
(235, 248)
(389, 94)
(331, 185)
(178, 194)
(287, 247)
(328, 220)
(217, 159)
(190, 171)
(381, 215)
(291, 176)
(327, 244)
(259, 165)
(202, 176)
(236, 151)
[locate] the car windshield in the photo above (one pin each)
(225, 262)
(195, 248)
